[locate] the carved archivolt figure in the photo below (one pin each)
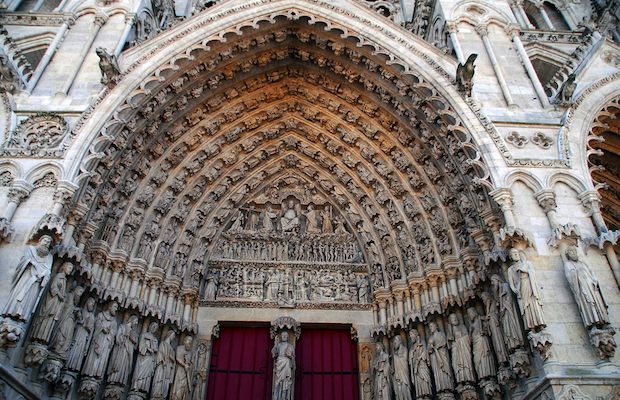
(461, 351)
(400, 367)
(483, 357)
(52, 306)
(183, 374)
(145, 364)
(284, 361)
(164, 370)
(523, 283)
(102, 343)
(420, 367)
(81, 337)
(585, 288)
(31, 277)
(440, 360)
(508, 313)
(121, 361)
(381, 372)
(61, 339)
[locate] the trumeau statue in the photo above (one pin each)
(52, 306)
(419, 362)
(145, 364)
(523, 283)
(400, 368)
(183, 373)
(31, 277)
(440, 360)
(121, 361)
(102, 343)
(81, 337)
(164, 370)
(283, 370)
(381, 372)
(508, 313)
(586, 289)
(61, 340)
(483, 357)
(461, 351)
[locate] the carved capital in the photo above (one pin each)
(513, 30)
(452, 27)
(64, 192)
(482, 29)
(18, 191)
(100, 20)
(546, 199)
(503, 197)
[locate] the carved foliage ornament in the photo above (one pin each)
(39, 135)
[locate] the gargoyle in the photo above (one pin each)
(109, 67)
(465, 75)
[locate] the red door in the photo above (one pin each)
(326, 362)
(241, 365)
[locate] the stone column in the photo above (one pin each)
(17, 193)
(517, 9)
(453, 30)
(482, 30)
(545, 16)
(513, 32)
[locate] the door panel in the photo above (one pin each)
(241, 365)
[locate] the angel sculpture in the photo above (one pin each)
(465, 75)
(108, 65)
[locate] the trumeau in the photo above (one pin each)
(440, 176)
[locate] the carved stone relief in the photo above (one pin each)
(41, 135)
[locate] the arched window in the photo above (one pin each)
(556, 17)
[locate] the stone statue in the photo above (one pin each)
(102, 343)
(440, 360)
(183, 374)
(121, 361)
(508, 313)
(145, 364)
(340, 228)
(586, 289)
(201, 372)
(290, 217)
(567, 90)
(483, 357)
(81, 337)
(400, 370)
(420, 367)
(461, 351)
(62, 337)
(495, 327)
(272, 286)
(326, 220)
(52, 306)
(237, 224)
(164, 369)
(523, 283)
(212, 283)
(268, 217)
(362, 289)
(108, 65)
(381, 372)
(465, 75)
(31, 277)
(283, 370)
(312, 215)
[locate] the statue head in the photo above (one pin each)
(291, 204)
(153, 326)
(67, 268)
(454, 320)
(472, 313)
(90, 304)
(284, 336)
(44, 244)
(77, 294)
(379, 347)
(310, 207)
(414, 335)
(396, 342)
(571, 253)
(188, 343)
(133, 320)
(433, 327)
(170, 336)
(514, 254)
(496, 281)
(113, 307)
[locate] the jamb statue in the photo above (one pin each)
(400, 370)
(522, 282)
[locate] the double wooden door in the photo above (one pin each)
(241, 365)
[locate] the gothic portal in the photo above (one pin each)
(309, 199)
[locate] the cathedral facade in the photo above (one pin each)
(309, 199)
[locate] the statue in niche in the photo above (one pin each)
(483, 357)
(81, 337)
(312, 215)
(440, 360)
(461, 351)
(268, 219)
(381, 372)
(508, 313)
(183, 374)
(303, 287)
(326, 220)
(61, 339)
(272, 285)
(103, 341)
(493, 318)
(523, 283)
(121, 361)
(284, 364)
(586, 289)
(289, 221)
(31, 277)
(52, 306)
(420, 367)
(145, 364)
(400, 370)
(212, 285)
(164, 368)
(362, 289)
